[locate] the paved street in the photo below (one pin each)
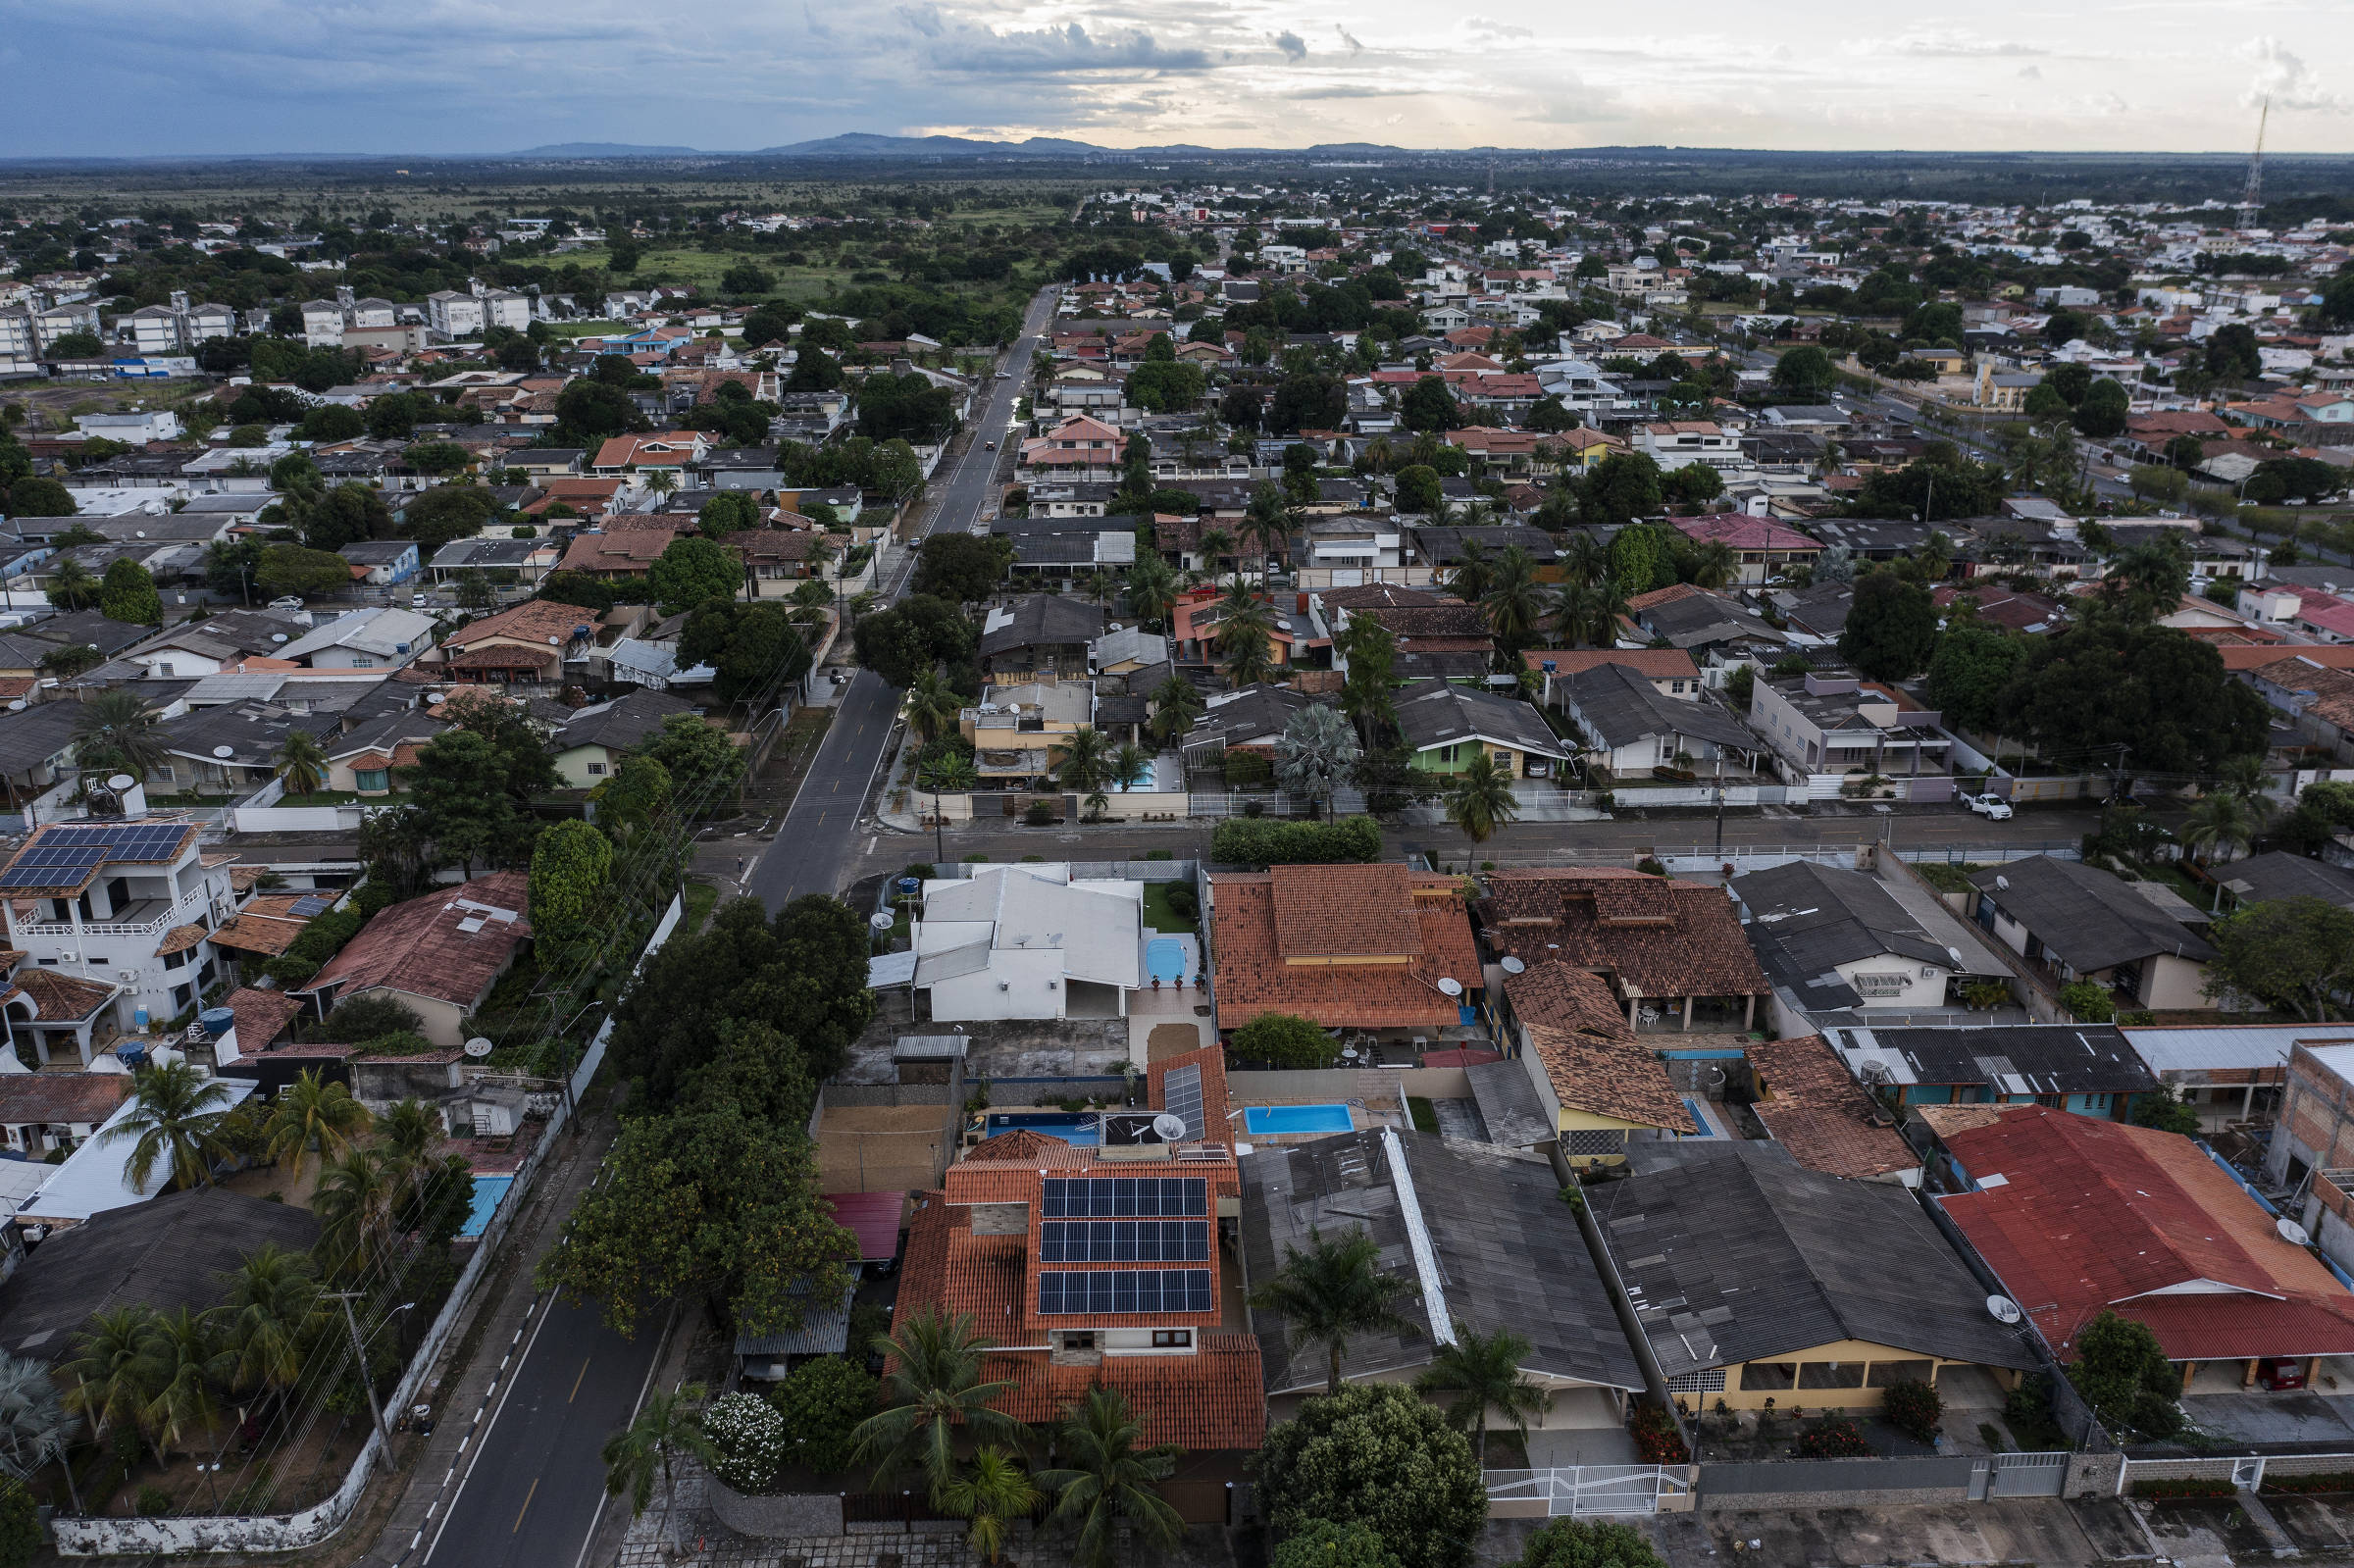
(813, 844)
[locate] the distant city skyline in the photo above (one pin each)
(147, 78)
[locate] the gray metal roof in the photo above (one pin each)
(1509, 1105)
(1826, 915)
(36, 735)
(1623, 707)
(2007, 1058)
(824, 1331)
(1500, 1250)
(1730, 1251)
(2282, 875)
(2087, 917)
(1436, 713)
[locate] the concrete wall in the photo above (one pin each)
(770, 1518)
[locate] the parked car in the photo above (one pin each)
(1994, 808)
(290, 601)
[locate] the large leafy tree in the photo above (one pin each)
(1620, 488)
(1974, 662)
(691, 570)
(572, 903)
(1590, 1544)
(2162, 698)
(2295, 954)
(1377, 1454)
(2123, 1373)
(127, 593)
(1891, 630)
(459, 787)
(697, 755)
(961, 568)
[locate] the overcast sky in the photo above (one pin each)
(162, 76)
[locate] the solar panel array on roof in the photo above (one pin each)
(1124, 1241)
(312, 904)
(1123, 1196)
(1124, 1291)
(65, 855)
(1181, 1094)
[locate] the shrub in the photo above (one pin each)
(153, 1502)
(1040, 815)
(1912, 1408)
(1321, 1543)
(1184, 902)
(372, 1018)
(1158, 854)
(1258, 844)
(1649, 867)
(822, 1404)
(2185, 1487)
(1590, 1544)
(920, 870)
(20, 1524)
(2324, 1481)
(2090, 1004)
(400, 1043)
(1379, 1455)
(1836, 1438)
(1656, 1442)
(748, 1441)
(1285, 1040)
(2028, 1412)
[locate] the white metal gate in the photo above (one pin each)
(1589, 1488)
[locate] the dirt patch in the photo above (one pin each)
(880, 1148)
(1171, 1039)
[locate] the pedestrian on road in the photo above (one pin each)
(740, 868)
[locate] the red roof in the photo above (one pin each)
(423, 947)
(1336, 959)
(873, 1218)
(2092, 1216)
(1745, 532)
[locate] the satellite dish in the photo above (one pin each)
(1510, 965)
(2292, 1233)
(1954, 953)
(881, 921)
(2005, 1309)
(1170, 1125)
(2001, 884)
(277, 636)
(121, 782)
(478, 1048)
(1451, 986)
(224, 753)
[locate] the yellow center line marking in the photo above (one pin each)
(577, 1382)
(527, 1506)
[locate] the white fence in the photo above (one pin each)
(198, 1533)
(1584, 1489)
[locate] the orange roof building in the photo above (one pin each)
(1361, 947)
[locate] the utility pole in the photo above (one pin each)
(360, 1355)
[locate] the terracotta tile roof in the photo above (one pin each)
(1563, 996)
(267, 924)
(1666, 596)
(1021, 1147)
(1254, 975)
(1215, 1101)
(61, 999)
(59, 1098)
(1655, 937)
(421, 947)
(2095, 1215)
(1377, 596)
(1947, 1120)
(1653, 664)
(627, 550)
(179, 938)
(532, 622)
(1344, 911)
(262, 1016)
(1424, 622)
(1590, 1055)
(1816, 1109)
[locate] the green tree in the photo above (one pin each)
(311, 1115)
(301, 762)
(823, 1401)
(2124, 1375)
(698, 756)
(1429, 405)
(458, 785)
(292, 569)
(932, 1388)
(1419, 489)
(1377, 1455)
(115, 730)
(1483, 1371)
(691, 570)
(1167, 387)
(20, 1524)
(728, 512)
(1622, 487)
(1108, 1482)
(2103, 412)
(960, 567)
(993, 1489)
(1331, 1292)
(1515, 603)
(175, 1118)
(1891, 630)
(634, 795)
(1285, 1040)
(1974, 662)
(71, 586)
(2165, 1112)
(127, 593)
(2223, 822)
(1804, 375)
(446, 513)
(667, 1424)
(179, 1356)
(1590, 1544)
(1314, 753)
(2295, 954)
(1176, 704)
(106, 1380)
(931, 705)
(1368, 686)
(1695, 483)
(1321, 1543)
(2162, 697)
(1480, 798)
(270, 1317)
(34, 1424)
(572, 895)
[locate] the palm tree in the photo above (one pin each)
(1268, 523)
(659, 481)
(181, 1358)
(1108, 1480)
(272, 1315)
(1585, 560)
(174, 1116)
(1152, 590)
(1085, 759)
(106, 1381)
(1483, 1371)
(993, 1489)
(1332, 1292)
(931, 705)
(1473, 574)
(1129, 766)
(73, 586)
(670, 1423)
(1175, 706)
(1216, 546)
(409, 1132)
(302, 763)
(947, 775)
(933, 1388)
(1514, 601)
(1380, 455)
(2224, 820)
(1314, 753)
(2242, 775)
(118, 724)
(1242, 638)
(356, 1200)
(1713, 565)
(1480, 799)
(312, 1114)
(34, 1424)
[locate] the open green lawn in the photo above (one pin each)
(1158, 914)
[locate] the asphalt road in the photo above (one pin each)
(813, 846)
(530, 1499)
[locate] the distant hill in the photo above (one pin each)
(602, 149)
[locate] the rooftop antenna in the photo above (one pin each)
(2251, 196)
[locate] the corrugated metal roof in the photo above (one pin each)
(2230, 1045)
(824, 1331)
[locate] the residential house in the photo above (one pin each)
(2086, 1069)
(1830, 723)
(453, 315)
(1124, 650)
(2079, 1217)
(381, 563)
(109, 921)
(620, 549)
(1433, 635)
(2278, 873)
(1679, 443)
(1665, 946)
(1809, 1104)
(1719, 632)
(1446, 725)
(1200, 612)
(1763, 550)
(501, 561)
(1018, 731)
(1836, 941)
(1361, 949)
(525, 645)
(364, 639)
(2232, 1075)
(1630, 727)
(365, 757)
(590, 747)
(2070, 922)
(161, 1252)
(1670, 671)
(230, 747)
(1598, 1087)
(200, 647)
(1038, 633)
(676, 450)
(438, 954)
(44, 1112)
(1077, 448)
(1755, 1281)
(1248, 719)
(1348, 548)
(35, 743)
(1476, 1237)
(1028, 941)
(1443, 546)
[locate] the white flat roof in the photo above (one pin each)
(96, 1176)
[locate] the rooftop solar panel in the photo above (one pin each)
(1123, 1196)
(1124, 1241)
(1181, 1094)
(1107, 1291)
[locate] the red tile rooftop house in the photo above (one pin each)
(1108, 1266)
(2078, 1216)
(1672, 952)
(1361, 948)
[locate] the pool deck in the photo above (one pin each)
(1171, 1008)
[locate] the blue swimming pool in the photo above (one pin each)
(1072, 1127)
(489, 1193)
(1149, 781)
(1298, 1119)
(1164, 960)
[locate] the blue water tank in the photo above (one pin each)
(138, 1019)
(217, 1021)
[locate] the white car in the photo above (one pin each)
(1005, 376)
(1992, 807)
(292, 601)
